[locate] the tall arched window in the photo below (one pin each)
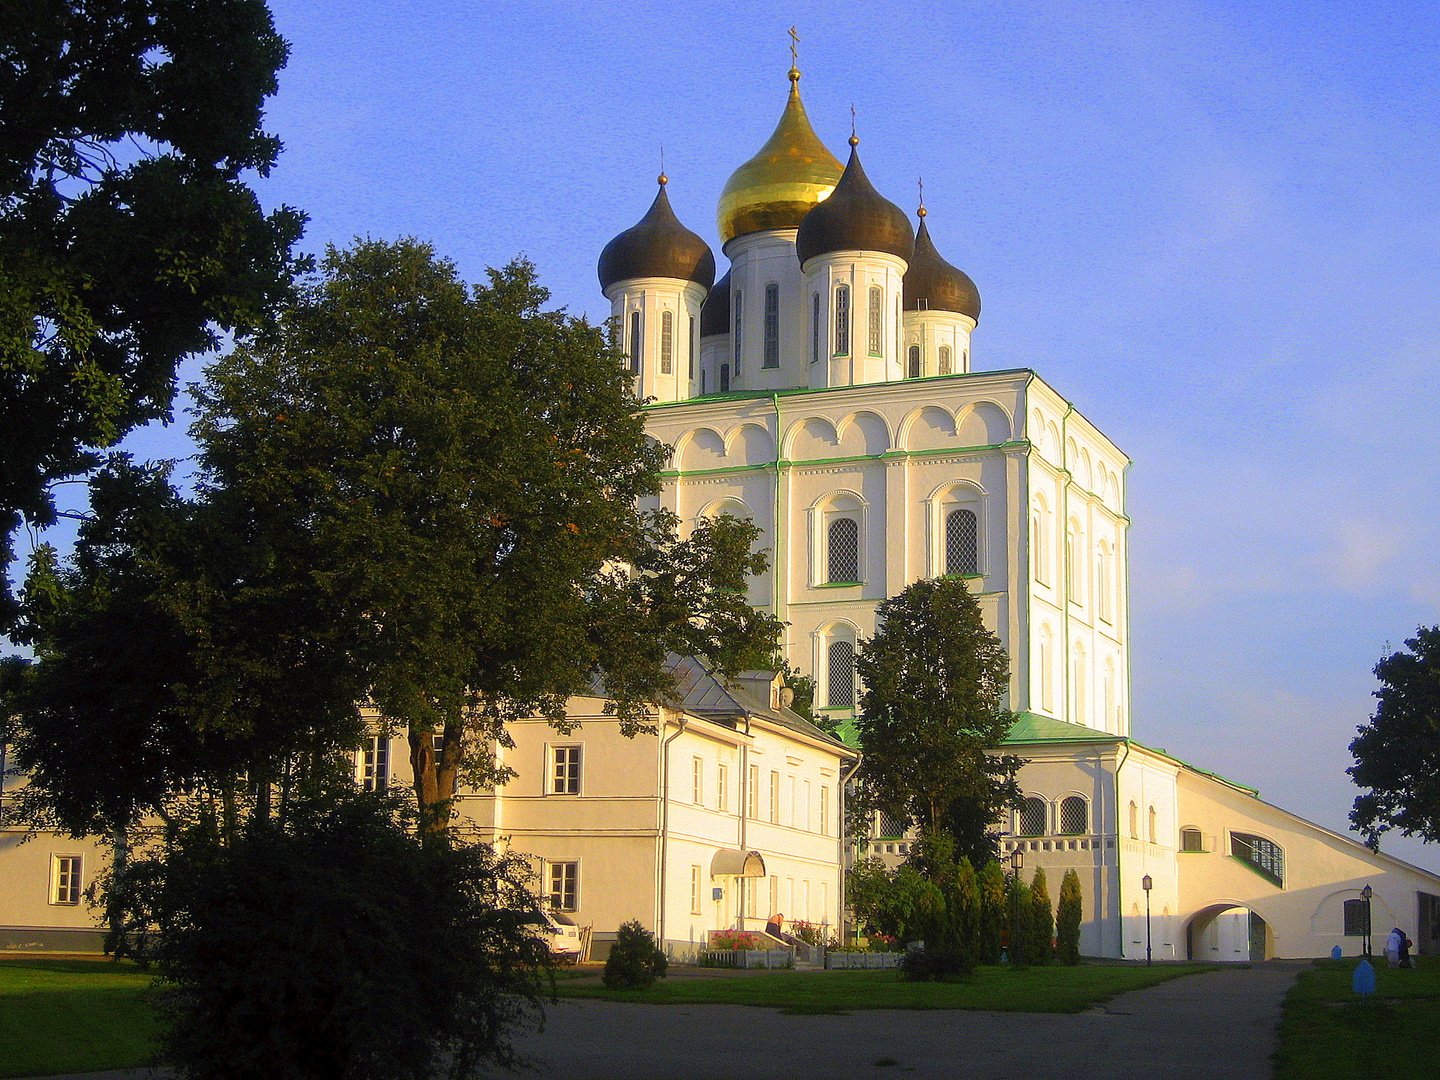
(1108, 694)
(945, 360)
(843, 551)
(667, 343)
(1152, 837)
(724, 378)
(635, 342)
(840, 675)
(1039, 548)
(842, 320)
(1080, 683)
(772, 326)
(739, 326)
(877, 320)
(1105, 582)
(815, 328)
(691, 346)
(1134, 821)
(1072, 580)
(912, 368)
(1074, 815)
(1047, 669)
(962, 542)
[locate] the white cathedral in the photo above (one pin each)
(825, 388)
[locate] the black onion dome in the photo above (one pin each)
(855, 217)
(657, 246)
(715, 312)
(932, 284)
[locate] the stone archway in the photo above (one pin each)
(1227, 932)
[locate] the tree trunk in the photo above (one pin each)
(435, 778)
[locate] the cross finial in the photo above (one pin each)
(662, 178)
(854, 139)
(794, 55)
(921, 181)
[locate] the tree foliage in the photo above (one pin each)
(1397, 754)
(128, 233)
(992, 912)
(1068, 918)
(932, 715)
(463, 476)
(1043, 924)
(635, 961)
(334, 947)
(1024, 936)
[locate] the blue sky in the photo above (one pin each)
(1216, 228)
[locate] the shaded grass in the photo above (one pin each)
(1326, 1031)
(69, 1015)
(1034, 989)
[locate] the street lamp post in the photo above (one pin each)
(1017, 863)
(1147, 883)
(1365, 895)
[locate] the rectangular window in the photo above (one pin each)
(697, 781)
(752, 793)
(807, 806)
(722, 788)
(565, 770)
(564, 880)
(692, 346)
(739, 325)
(877, 319)
(842, 321)
(793, 818)
(667, 343)
(815, 328)
(65, 879)
(774, 796)
(772, 326)
(375, 764)
(1355, 918)
(694, 890)
(635, 342)
(824, 810)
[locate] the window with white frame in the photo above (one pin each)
(1074, 816)
(752, 793)
(945, 366)
(775, 796)
(1030, 818)
(1191, 840)
(772, 326)
(722, 788)
(697, 781)
(738, 327)
(635, 342)
(962, 541)
(694, 890)
(1039, 545)
(842, 554)
(840, 675)
(667, 343)
(375, 763)
(876, 315)
(824, 810)
(815, 328)
(912, 363)
(65, 873)
(1105, 582)
(564, 770)
(842, 320)
(563, 879)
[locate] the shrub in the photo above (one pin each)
(635, 962)
(1067, 924)
(992, 912)
(1021, 909)
(1043, 918)
(729, 940)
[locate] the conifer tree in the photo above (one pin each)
(992, 912)
(965, 916)
(1043, 925)
(1021, 910)
(1067, 923)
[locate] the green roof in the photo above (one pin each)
(1246, 788)
(1034, 728)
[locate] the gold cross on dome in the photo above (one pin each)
(794, 40)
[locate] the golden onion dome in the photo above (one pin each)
(776, 188)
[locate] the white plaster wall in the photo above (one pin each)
(652, 297)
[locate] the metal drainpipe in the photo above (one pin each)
(1119, 892)
(845, 778)
(665, 828)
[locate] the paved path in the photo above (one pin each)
(1216, 1026)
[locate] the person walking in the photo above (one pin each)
(1393, 944)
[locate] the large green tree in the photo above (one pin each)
(932, 716)
(129, 234)
(462, 477)
(1397, 754)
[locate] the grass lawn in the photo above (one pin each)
(1037, 989)
(60, 1015)
(1326, 1031)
